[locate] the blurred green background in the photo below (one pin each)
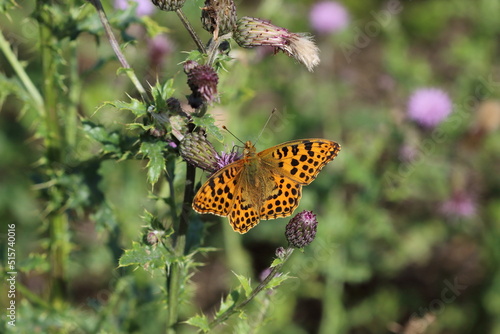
(387, 257)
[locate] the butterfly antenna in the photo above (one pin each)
(232, 134)
(265, 125)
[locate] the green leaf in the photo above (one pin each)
(208, 122)
(276, 262)
(199, 321)
(152, 26)
(228, 303)
(149, 257)
(196, 55)
(35, 262)
(110, 140)
(277, 280)
(156, 165)
(137, 107)
(6, 5)
(161, 93)
(245, 283)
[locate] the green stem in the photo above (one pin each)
(174, 280)
(191, 31)
(171, 163)
(53, 139)
(213, 48)
(116, 48)
(224, 316)
(55, 147)
(21, 73)
(71, 112)
(59, 257)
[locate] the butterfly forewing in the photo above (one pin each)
(217, 195)
(301, 160)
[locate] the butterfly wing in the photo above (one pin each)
(217, 195)
(243, 215)
(222, 195)
(293, 164)
(283, 200)
(300, 160)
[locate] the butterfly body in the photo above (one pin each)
(264, 185)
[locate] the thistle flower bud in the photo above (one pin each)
(219, 16)
(169, 5)
(280, 252)
(301, 229)
(252, 32)
(203, 80)
(153, 237)
(199, 152)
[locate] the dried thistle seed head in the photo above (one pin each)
(169, 5)
(252, 32)
(219, 16)
(301, 229)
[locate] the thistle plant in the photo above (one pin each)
(167, 130)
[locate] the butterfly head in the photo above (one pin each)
(249, 149)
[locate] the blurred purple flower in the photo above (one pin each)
(429, 106)
(328, 16)
(159, 47)
(263, 275)
(408, 153)
(459, 205)
(144, 7)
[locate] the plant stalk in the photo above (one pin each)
(116, 48)
(175, 277)
(21, 74)
(191, 31)
(224, 316)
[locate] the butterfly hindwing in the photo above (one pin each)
(243, 215)
(283, 200)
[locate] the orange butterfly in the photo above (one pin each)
(264, 185)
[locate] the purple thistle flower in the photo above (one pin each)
(224, 159)
(459, 205)
(144, 7)
(301, 229)
(429, 106)
(328, 16)
(203, 80)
